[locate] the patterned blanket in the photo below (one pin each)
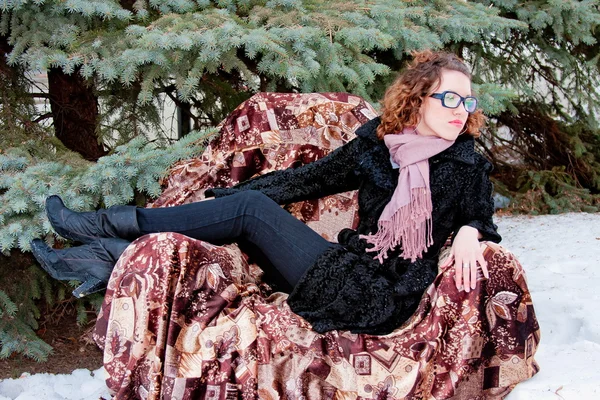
(184, 319)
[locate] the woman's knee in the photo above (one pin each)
(492, 249)
(255, 198)
(255, 203)
(497, 255)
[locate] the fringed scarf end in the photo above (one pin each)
(410, 226)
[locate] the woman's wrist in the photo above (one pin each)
(470, 231)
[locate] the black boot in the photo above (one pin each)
(91, 264)
(85, 227)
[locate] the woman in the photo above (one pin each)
(419, 181)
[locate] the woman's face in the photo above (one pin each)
(437, 120)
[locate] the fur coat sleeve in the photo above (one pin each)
(331, 174)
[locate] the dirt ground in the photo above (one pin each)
(73, 349)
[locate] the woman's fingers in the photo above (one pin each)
(466, 269)
(459, 274)
(473, 273)
(466, 274)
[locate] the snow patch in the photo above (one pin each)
(81, 384)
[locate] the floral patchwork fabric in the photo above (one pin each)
(273, 131)
(184, 319)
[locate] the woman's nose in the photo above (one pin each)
(460, 110)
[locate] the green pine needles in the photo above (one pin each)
(20, 311)
(308, 45)
(135, 167)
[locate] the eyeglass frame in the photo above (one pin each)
(441, 96)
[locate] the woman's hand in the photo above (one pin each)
(466, 253)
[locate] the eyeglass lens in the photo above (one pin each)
(452, 100)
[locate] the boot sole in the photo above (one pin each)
(90, 284)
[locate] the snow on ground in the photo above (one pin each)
(80, 385)
(561, 256)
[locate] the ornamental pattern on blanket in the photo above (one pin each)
(183, 319)
(273, 131)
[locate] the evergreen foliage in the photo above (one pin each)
(205, 50)
(18, 324)
(552, 192)
(552, 68)
(135, 167)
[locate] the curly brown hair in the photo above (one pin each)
(403, 98)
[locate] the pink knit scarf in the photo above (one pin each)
(406, 219)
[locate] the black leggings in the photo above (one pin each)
(289, 245)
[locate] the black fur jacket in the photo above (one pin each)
(346, 288)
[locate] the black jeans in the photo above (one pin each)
(289, 245)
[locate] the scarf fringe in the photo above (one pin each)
(410, 226)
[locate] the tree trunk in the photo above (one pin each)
(75, 111)
(184, 126)
(127, 4)
(5, 48)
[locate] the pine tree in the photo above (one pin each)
(213, 55)
(552, 68)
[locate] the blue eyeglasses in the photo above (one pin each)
(452, 100)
